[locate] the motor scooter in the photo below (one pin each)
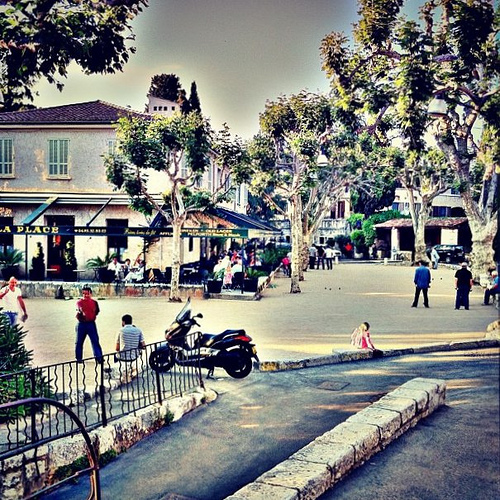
(231, 350)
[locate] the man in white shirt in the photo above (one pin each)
(11, 301)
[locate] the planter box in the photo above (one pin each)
(214, 286)
(250, 284)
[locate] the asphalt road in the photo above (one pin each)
(260, 421)
(285, 326)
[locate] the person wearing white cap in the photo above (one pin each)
(491, 289)
(463, 286)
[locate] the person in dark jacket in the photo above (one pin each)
(422, 282)
(463, 286)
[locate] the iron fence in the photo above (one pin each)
(97, 393)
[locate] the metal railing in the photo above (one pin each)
(93, 462)
(97, 392)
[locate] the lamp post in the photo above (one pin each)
(438, 107)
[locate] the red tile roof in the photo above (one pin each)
(93, 112)
(446, 222)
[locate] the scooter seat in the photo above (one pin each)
(207, 339)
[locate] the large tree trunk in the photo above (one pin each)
(296, 230)
(418, 221)
(177, 224)
(482, 216)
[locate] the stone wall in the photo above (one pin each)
(50, 289)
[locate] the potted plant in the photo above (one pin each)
(70, 263)
(9, 262)
(214, 282)
(100, 267)
(37, 272)
(251, 281)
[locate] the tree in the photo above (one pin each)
(39, 39)
(194, 100)
(284, 156)
(398, 66)
(176, 146)
(166, 87)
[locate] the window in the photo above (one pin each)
(58, 157)
(6, 157)
(112, 146)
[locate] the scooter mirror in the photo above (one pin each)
(199, 315)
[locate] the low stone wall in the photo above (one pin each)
(321, 464)
(28, 472)
(51, 289)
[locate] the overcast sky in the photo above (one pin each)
(239, 52)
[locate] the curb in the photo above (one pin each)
(321, 464)
(359, 355)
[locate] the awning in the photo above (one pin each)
(39, 211)
(221, 220)
(256, 228)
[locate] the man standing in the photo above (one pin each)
(87, 311)
(329, 255)
(422, 282)
(313, 252)
(11, 302)
(463, 285)
(130, 338)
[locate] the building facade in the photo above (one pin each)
(52, 175)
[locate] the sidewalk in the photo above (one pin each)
(286, 326)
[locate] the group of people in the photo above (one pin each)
(463, 285)
(125, 272)
(129, 339)
(321, 256)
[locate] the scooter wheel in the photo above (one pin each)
(160, 361)
(239, 363)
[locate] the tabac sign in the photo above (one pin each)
(142, 232)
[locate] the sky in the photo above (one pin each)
(240, 53)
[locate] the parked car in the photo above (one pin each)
(450, 253)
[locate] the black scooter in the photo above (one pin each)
(231, 349)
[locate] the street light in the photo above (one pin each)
(437, 107)
(322, 160)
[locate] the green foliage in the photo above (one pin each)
(355, 220)
(194, 99)
(41, 39)
(368, 228)
(69, 256)
(169, 418)
(14, 357)
(13, 354)
(97, 262)
(166, 145)
(165, 87)
(251, 272)
(384, 79)
(272, 256)
(11, 257)
(358, 239)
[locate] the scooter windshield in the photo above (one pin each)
(185, 313)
